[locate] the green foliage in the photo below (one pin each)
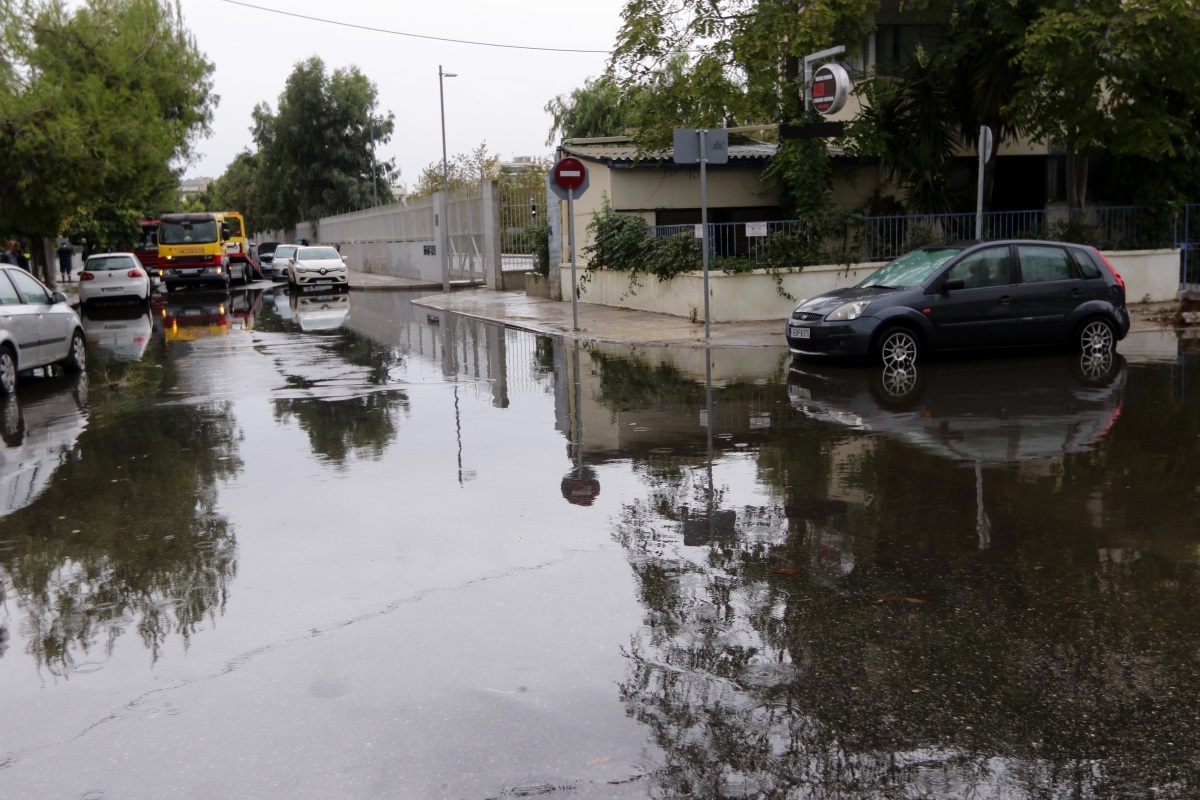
(97, 101)
(598, 108)
(539, 234)
(619, 241)
(316, 152)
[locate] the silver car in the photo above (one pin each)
(37, 328)
(280, 260)
(317, 266)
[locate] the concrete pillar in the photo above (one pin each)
(554, 220)
(493, 275)
(440, 227)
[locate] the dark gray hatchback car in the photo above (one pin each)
(966, 296)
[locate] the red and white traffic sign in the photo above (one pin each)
(570, 173)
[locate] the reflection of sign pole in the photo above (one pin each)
(570, 175)
(985, 155)
(699, 145)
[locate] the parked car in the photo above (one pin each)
(967, 295)
(114, 276)
(266, 255)
(280, 260)
(37, 328)
(317, 266)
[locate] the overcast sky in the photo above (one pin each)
(498, 95)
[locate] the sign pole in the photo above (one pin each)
(571, 234)
(704, 226)
(985, 154)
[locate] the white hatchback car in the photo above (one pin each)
(317, 266)
(114, 276)
(37, 328)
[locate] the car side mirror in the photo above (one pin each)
(953, 285)
(58, 297)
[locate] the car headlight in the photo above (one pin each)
(849, 311)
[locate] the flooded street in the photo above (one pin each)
(351, 547)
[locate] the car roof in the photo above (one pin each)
(110, 255)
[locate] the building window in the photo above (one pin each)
(896, 44)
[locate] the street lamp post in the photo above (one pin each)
(374, 185)
(444, 244)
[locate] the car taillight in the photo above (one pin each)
(135, 273)
(86, 276)
(1113, 270)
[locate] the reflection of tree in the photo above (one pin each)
(337, 428)
(126, 536)
(874, 650)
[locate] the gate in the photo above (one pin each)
(1187, 239)
(520, 208)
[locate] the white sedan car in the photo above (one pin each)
(317, 266)
(37, 328)
(113, 276)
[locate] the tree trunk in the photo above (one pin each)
(41, 261)
(1077, 175)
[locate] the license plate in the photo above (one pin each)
(798, 333)
(111, 289)
(192, 312)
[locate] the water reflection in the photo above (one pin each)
(197, 313)
(121, 333)
(112, 525)
(319, 312)
(849, 636)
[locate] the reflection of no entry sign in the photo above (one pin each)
(569, 173)
(830, 88)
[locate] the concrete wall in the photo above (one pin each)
(402, 259)
(1150, 276)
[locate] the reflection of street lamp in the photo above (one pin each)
(445, 181)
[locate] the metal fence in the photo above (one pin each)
(519, 210)
(883, 238)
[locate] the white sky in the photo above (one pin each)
(498, 95)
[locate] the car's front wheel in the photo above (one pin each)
(1097, 335)
(76, 360)
(898, 347)
(8, 371)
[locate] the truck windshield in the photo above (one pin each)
(187, 232)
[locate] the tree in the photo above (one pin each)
(598, 108)
(98, 106)
(464, 171)
(316, 153)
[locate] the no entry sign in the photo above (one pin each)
(569, 173)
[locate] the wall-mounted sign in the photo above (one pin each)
(830, 88)
(756, 229)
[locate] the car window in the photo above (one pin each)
(308, 253)
(8, 294)
(285, 250)
(101, 263)
(989, 267)
(1087, 267)
(29, 287)
(1040, 264)
(912, 268)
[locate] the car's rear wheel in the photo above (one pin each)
(898, 347)
(8, 371)
(76, 360)
(1097, 335)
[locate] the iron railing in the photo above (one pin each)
(519, 209)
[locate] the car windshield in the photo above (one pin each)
(187, 232)
(910, 269)
(317, 254)
(285, 250)
(97, 263)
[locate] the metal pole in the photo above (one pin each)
(374, 186)
(704, 225)
(571, 234)
(444, 244)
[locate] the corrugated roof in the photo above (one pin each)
(628, 152)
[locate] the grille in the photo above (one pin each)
(186, 260)
(806, 316)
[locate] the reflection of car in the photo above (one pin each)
(319, 312)
(114, 276)
(40, 430)
(317, 266)
(280, 260)
(266, 255)
(197, 314)
(966, 296)
(121, 332)
(979, 411)
(37, 328)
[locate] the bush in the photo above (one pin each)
(538, 234)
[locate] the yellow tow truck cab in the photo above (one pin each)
(195, 249)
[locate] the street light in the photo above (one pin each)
(445, 182)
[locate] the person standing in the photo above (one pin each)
(66, 254)
(16, 255)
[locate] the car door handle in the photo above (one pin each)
(1005, 300)
(1076, 292)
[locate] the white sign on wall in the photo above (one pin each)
(756, 229)
(699, 231)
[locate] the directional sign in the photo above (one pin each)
(687, 146)
(569, 173)
(830, 88)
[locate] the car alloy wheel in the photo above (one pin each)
(76, 360)
(8, 372)
(898, 348)
(1096, 336)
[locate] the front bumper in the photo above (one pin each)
(315, 279)
(180, 276)
(830, 339)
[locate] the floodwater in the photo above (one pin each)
(355, 548)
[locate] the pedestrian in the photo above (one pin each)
(7, 256)
(16, 255)
(66, 254)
